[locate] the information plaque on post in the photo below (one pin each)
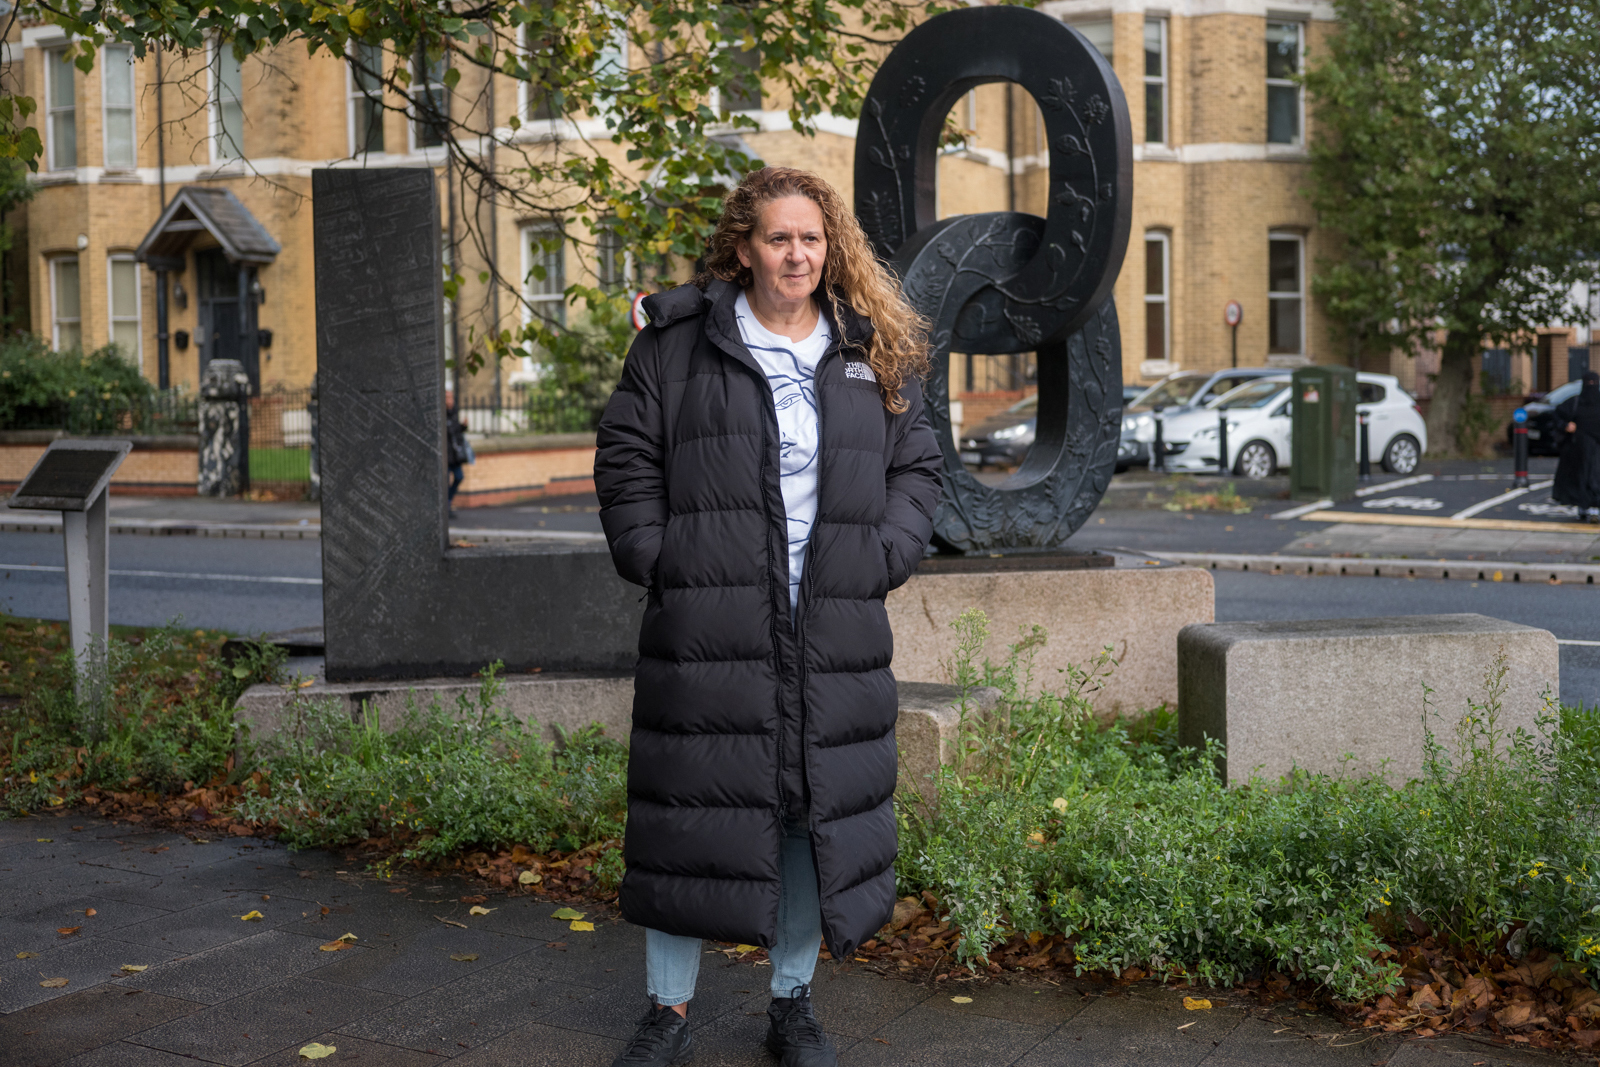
(71, 477)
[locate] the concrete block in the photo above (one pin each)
(1306, 694)
(569, 700)
(1137, 610)
(926, 731)
(928, 728)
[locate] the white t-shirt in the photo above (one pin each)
(791, 370)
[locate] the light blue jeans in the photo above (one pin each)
(672, 963)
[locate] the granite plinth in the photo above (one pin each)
(1135, 607)
(1345, 696)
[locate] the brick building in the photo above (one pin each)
(1218, 216)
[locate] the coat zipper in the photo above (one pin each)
(777, 654)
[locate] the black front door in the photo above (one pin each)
(222, 335)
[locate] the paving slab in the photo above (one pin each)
(929, 1037)
(265, 1022)
(234, 969)
(425, 961)
(81, 1022)
(208, 925)
(463, 1014)
(1134, 1029)
(83, 963)
(1306, 1042)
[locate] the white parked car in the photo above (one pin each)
(1259, 428)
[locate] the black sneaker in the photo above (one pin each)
(662, 1039)
(795, 1036)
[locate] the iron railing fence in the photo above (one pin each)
(524, 411)
(280, 436)
(86, 415)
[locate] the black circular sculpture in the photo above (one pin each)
(1006, 281)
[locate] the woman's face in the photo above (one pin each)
(786, 250)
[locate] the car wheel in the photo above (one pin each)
(1402, 455)
(1256, 460)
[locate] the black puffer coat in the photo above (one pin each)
(740, 717)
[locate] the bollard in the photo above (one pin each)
(1519, 449)
(224, 429)
(1363, 418)
(1158, 447)
(1222, 443)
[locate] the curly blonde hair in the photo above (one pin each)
(851, 274)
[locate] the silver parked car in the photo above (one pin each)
(1182, 391)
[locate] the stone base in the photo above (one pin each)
(925, 731)
(1344, 696)
(1135, 607)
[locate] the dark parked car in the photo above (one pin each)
(1544, 434)
(1003, 439)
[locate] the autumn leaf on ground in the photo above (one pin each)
(742, 949)
(26, 955)
(478, 899)
(90, 912)
(68, 931)
(44, 840)
(451, 922)
(135, 968)
(334, 946)
(566, 913)
(251, 917)
(318, 1051)
(1196, 1004)
(464, 957)
(54, 983)
(581, 927)
(961, 1000)
(476, 910)
(529, 878)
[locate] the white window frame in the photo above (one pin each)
(108, 57)
(217, 49)
(53, 55)
(1164, 239)
(1159, 81)
(355, 95)
(1298, 144)
(1098, 21)
(558, 298)
(56, 318)
(136, 357)
(1299, 294)
(420, 86)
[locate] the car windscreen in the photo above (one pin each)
(1563, 394)
(1024, 408)
(1170, 394)
(1257, 394)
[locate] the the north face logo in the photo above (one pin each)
(862, 371)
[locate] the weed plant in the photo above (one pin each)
(440, 781)
(164, 719)
(1134, 849)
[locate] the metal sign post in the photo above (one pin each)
(71, 477)
(1233, 314)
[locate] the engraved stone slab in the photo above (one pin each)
(398, 600)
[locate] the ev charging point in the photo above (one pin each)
(71, 477)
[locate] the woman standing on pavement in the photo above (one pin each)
(766, 472)
(1578, 473)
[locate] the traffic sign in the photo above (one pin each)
(1233, 313)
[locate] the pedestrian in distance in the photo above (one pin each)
(458, 449)
(767, 473)
(1578, 472)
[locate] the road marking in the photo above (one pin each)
(1586, 644)
(1382, 519)
(1295, 513)
(270, 579)
(1416, 479)
(1485, 505)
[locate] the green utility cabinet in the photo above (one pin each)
(1323, 435)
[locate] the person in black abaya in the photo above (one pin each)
(1578, 474)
